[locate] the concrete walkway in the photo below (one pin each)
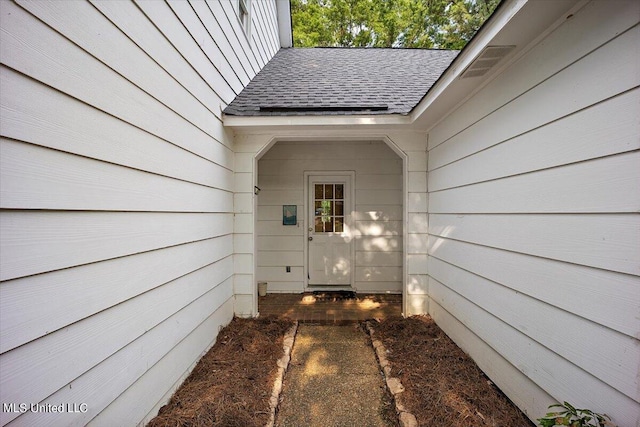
(333, 380)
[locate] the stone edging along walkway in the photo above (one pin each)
(283, 364)
(406, 418)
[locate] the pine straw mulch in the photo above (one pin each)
(443, 386)
(231, 384)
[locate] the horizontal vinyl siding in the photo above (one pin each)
(534, 194)
(232, 31)
(238, 34)
(264, 31)
(46, 302)
(116, 199)
(172, 368)
(48, 179)
(377, 219)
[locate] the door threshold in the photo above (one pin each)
(329, 288)
(332, 293)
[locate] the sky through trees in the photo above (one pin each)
(429, 24)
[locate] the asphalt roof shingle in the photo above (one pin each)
(332, 81)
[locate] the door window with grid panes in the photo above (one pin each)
(329, 208)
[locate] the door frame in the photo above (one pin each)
(349, 224)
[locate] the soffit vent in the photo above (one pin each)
(487, 59)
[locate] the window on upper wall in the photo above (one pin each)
(244, 10)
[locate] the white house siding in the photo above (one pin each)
(534, 194)
(117, 208)
(377, 225)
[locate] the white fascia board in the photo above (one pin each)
(238, 122)
(283, 9)
(481, 40)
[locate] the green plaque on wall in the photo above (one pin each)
(289, 215)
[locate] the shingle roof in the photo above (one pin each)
(332, 81)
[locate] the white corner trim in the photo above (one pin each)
(285, 31)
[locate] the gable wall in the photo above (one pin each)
(116, 198)
(377, 219)
(534, 194)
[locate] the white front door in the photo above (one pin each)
(329, 237)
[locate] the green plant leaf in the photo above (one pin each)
(570, 408)
(573, 417)
(545, 422)
(557, 405)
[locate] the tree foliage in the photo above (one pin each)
(444, 24)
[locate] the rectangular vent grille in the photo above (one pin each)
(487, 59)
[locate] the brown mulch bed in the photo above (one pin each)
(443, 386)
(231, 384)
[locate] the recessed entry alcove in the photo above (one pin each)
(348, 233)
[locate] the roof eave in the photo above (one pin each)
(521, 23)
(257, 122)
(500, 18)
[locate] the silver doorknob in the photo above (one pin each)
(310, 238)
